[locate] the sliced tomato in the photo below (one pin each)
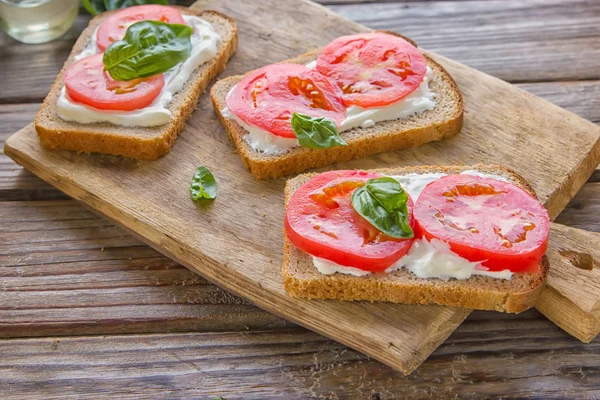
(373, 69)
(114, 27)
(321, 221)
(269, 96)
(484, 219)
(86, 82)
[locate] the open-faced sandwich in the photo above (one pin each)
(360, 95)
(471, 237)
(133, 78)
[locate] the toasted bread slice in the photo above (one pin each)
(143, 143)
(444, 121)
(517, 294)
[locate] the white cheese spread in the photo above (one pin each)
(425, 259)
(205, 41)
(484, 175)
(311, 65)
(420, 100)
(327, 267)
(435, 259)
(414, 184)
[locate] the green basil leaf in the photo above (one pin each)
(316, 133)
(115, 4)
(384, 203)
(148, 48)
(94, 7)
(388, 192)
(203, 185)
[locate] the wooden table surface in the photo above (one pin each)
(86, 310)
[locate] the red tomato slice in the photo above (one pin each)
(321, 221)
(114, 27)
(373, 69)
(268, 96)
(87, 83)
(483, 219)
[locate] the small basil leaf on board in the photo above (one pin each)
(148, 48)
(94, 7)
(384, 203)
(203, 185)
(316, 132)
(115, 4)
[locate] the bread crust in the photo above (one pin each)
(142, 143)
(302, 280)
(384, 137)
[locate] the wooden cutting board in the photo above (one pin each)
(236, 241)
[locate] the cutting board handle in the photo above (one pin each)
(571, 298)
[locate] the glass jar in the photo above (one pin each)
(37, 21)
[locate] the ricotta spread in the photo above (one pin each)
(425, 259)
(414, 183)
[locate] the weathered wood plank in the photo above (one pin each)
(148, 318)
(581, 98)
(65, 271)
(520, 356)
(475, 33)
(30, 69)
(15, 116)
(15, 182)
(584, 210)
(511, 39)
(572, 297)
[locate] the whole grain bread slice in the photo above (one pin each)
(444, 121)
(143, 143)
(302, 280)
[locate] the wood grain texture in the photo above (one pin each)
(30, 70)
(514, 40)
(572, 298)
(201, 237)
(584, 211)
(66, 271)
(490, 356)
(15, 182)
(581, 98)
